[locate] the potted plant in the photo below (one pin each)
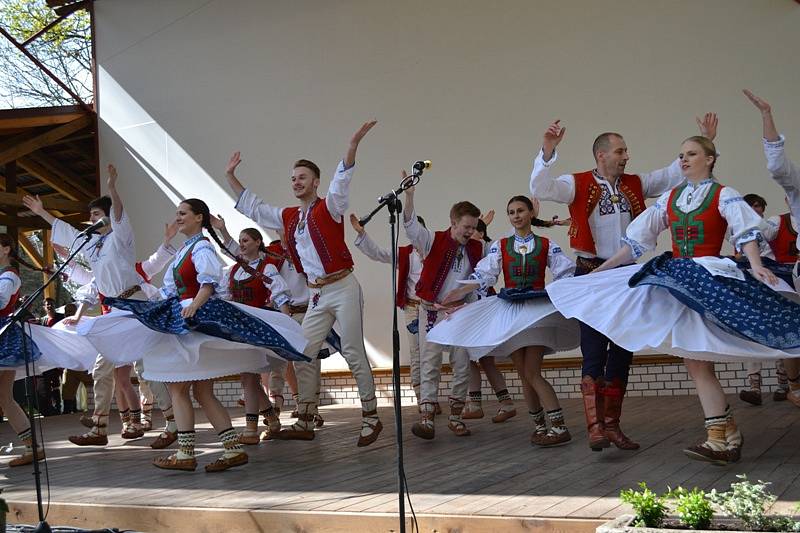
(742, 508)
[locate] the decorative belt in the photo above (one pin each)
(412, 303)
(297, 309)
(330, 278)
(588, 264)
(127, 293)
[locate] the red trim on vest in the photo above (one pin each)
(142, 273)
(326, 233)
(703, 229)
(14, 298)
(403, 269)
(587, 196)
(439, 262)
(250, 291)
(784, 245)
(535, 264)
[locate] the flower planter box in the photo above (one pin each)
(623, 524)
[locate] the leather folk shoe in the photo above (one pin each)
(88, 439)
(172, 462)
(224, 463)
(369, 421)
(165, 439)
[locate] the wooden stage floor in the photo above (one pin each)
(493, 479)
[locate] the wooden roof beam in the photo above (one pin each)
(56, 176)
(30, 249)
(70, 206)
(40, 141)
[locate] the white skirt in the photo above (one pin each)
(121, 338)
(60, 349)
(496, 327)
(649, 317)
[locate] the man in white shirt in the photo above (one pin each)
(602, 202)
(315, 241)
(787, 175)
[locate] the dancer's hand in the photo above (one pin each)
(189, 311)
(112, 177)
(760, 103)
(72, 320)
(488, 217)
(234, 162)
(34, 203)
(170, 230)
(356, 224)
(552, 137)
(708, 125)
(217, 222)
(764, 275)
(362, 132)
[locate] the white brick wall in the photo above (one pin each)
(646, 379)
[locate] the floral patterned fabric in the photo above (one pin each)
(748, 309)
(13, 345)
(216, 318)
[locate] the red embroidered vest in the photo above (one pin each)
(439, 262)
(276, 255)
(14, 298)
(185, 275)
(326, 233)
(524, 271)
(784, 246)
(403, 269)
(699, 232)
(249, 291)
(587, 195)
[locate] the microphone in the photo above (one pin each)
(91, 230)
(419, 166)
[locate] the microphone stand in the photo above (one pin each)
(395, 207)
(17, 317)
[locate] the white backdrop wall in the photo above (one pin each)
(468, 84)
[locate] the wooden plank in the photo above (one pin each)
(30, 249)
(70, 206)
(36, 121)
(56, 175)
(44, 139)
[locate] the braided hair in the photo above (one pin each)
(535, 221)
(199, 207)
(6, 240)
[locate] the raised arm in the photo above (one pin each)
(163, 255)
(367, 246)
(116, 201)
(542, 184)
(34, 203)
(338, 197)
(421, 238)
(770, 131)
(230, 174)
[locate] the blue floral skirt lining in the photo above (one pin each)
(216, 318)
(748, 309)
(13, 345)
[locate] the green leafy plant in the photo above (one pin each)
(746, 501)
(692, 507)
(649, 507)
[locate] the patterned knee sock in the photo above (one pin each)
(475, 397)
(172, 427)
(755, 381)
(715, 425)
(251, 423)
(539, 425)
(185, 444)
(100, 425)
(556, 418)
(230, 441)
(733, 437)
(125, 418)
(794, 383)
(26, 436)
(136, 418)
(503, 395)
(147, 413)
